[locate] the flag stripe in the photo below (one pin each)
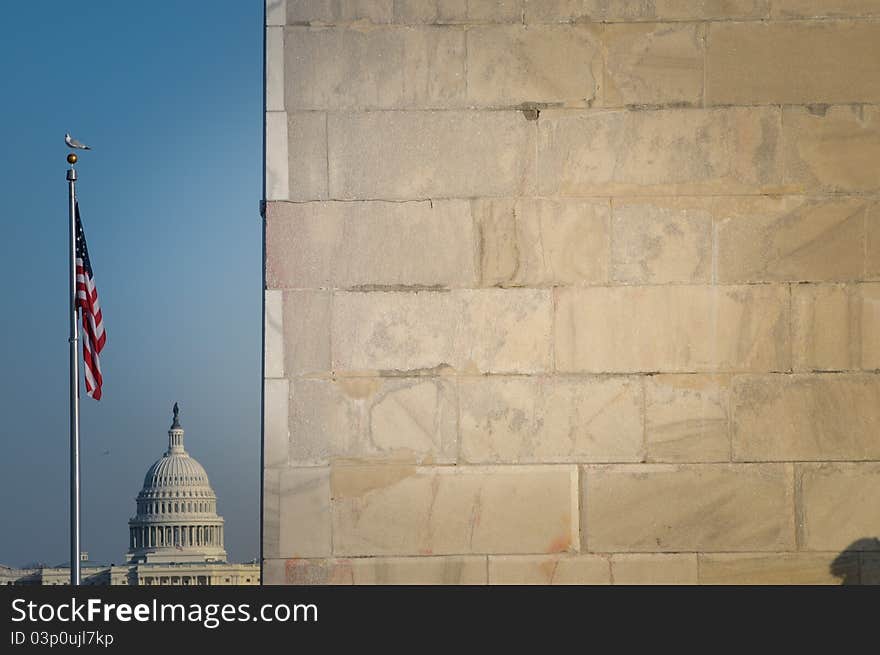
(93, 335)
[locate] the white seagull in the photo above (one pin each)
(73, 143)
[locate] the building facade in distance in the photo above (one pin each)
(175, 538)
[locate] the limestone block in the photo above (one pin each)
(486, 331)
(458, 11)
(271, 518)
(322, 421)
(322, 11)
(794, 63)
(825, 8)
(540, 242)
(805, 417)
(832, 148)
(665, 152)
(307, 150)
(276, 157)
(793, 238)
(682, 508)
(306, 332)
(386, 571)
(838, 505)
(274, 69)
(836, 327)
(672, 329)
(687, 418)
(511, 65)
(519, 420)
(349, 244)
(661, 240)
(276, 437)
(273, 571)
(302, 498)
(777, 568)
(401, 510)
(549, 570)
(653, 568)
(872, 250)
(430, 154)
(389, 419)
(653, 64)
(276, 11)
(350, 68)
(273, 333)
(636, 10)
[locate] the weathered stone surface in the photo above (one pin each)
(430, 154)
(549, 569)
(836, 327)
(347, 244)
(349, 68)
(385, 571)
(322, 11)
(777, 568)
(458, 11)
(795, 63)
(276, 157)
(307, 151)
(672, 329)
(276, 11)
(872, 250)
(832, 148)
(273, 333)
(306, 332)
(511, 65)
(838, 505)
(661, 240)
(792, 238)
(274, 69)
(273, 571)
(653, 64)
(487, 331)
(640, 569)
(323, 423)
(399, 510)
(389, 419)
(276, 437)
(540, 242)
(805, 417)
(666, 152)
(630, 10)
(302, 498)
(825, 8)
(697, 507)
(686, 418)
(518, 420)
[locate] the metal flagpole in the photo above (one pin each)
(74, 386)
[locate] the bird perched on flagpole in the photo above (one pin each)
(73, 143)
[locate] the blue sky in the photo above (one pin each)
(169, 94)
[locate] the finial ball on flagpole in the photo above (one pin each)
(71, 159)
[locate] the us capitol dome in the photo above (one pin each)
(176, 518)
(175, 538)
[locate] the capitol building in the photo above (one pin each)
(176, 536)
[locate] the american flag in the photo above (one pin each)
(93, 335)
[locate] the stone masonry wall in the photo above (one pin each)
(572, 291)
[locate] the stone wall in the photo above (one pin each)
(572, 291)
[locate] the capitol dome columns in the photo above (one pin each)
(176, 518)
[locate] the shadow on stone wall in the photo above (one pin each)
(852, 565)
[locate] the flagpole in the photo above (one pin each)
(74, 386)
